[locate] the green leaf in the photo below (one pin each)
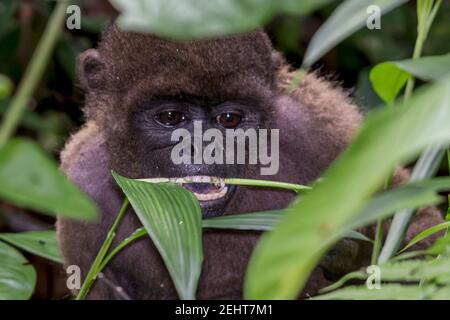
(261, 221)
(6, 87)
(426, 233)
(30, 179)
(41, 243)
(284, 258)
(386, 292)
(302, 7)
(348, 18)
(425, 167)
(427, 68)
(441, 294)
(389, 78)
(195, 19)
(357, 236)
(411, 271)
(17, 277)
(172, 217)
(409, 196)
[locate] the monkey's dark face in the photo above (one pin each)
(152, 125)
(145, 88)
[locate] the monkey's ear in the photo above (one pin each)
(91, 70)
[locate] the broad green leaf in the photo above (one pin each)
(191, 19)
(389, 78)
(388, 137)
(6, 87)
(172, 217)
(427, 233)
(386, 292)
(195, 19)
(17, 277)
(41, 243)
(348, 18)
(30, 179)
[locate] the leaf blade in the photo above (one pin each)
(17, 277)
(172, 217)
(32, 180)
(41, 243)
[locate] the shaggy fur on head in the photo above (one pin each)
(132, 68)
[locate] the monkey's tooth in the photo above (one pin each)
(207, 179)
(211, 196)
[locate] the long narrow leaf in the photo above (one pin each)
(425, 167)
(349, 17)
(261, 221)
(426, 233)
(409, 196)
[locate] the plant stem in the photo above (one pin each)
(241, 182)
(428, 161)
(267, 183)
(139, 233)
(426, 13)
(34, 72)
(95, 268)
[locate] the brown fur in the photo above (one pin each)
(316, 123)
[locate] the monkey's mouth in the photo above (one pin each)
(205, 188)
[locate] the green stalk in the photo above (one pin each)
(430, 159)
(241, 182)
(426, 13)
(377, 242)
(136, 235)
(34, 72)
(96, 265)
(267, 184)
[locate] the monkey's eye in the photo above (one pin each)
(170, 118)
(229, 119)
